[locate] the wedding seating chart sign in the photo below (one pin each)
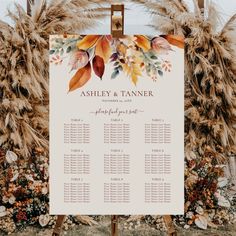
(116, 124)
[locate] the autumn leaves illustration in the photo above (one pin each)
(132, 55)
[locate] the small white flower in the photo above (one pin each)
(217, 194)
(44, 219)
(44, 190)
(12, 199)
(11, 157)
(29, 177)
(201, 222)
(46, 172)
(189, 215)
(186, 226)
(200, 210)
(3, 211)
(200, 203)
(4, 199)
(15, 177)
(222, 201)
(222, 182)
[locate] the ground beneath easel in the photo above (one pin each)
(143, 229)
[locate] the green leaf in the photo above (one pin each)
(157, 63)
(160, 72)
(114, 74)
(59, 40)
(68, 49)
(120, 68)
(153, 57)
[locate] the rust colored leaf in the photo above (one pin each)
(143, 42)
(175, 40)
(98, 66)
(88, 42)
(103, 49)
(80, 78)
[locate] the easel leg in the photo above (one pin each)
(58, 227)
(169, 225)
(114, 225)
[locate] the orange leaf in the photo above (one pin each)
(98, 66)
(80, 78)
(103, 49)
(175, 40)
(121, 48)
(143, 42)
(88, 42)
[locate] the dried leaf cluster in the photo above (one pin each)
(134, 55)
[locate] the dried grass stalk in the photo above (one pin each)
(210, 108)
(24, 67)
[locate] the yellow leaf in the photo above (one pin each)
(135, 74)
(132, 71)
(80, 78)
(88, 42)
(121, 48)
(103, 49)
(175, 40)
(143, 42)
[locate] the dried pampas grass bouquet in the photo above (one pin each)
(210, 107)
(24, 133)
(24, 67)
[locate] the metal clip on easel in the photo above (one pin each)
(117, 20)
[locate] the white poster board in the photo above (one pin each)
(116, 125)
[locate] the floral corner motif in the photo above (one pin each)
(134, 55)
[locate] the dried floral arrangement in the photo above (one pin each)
(210, 108)
(135, 55)
(24, 104)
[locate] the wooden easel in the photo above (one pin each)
(117, 21)
(117, 30)
(58, 227)
(201, 4)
